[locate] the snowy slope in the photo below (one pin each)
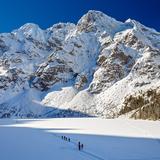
(116, 139)
(91, 68)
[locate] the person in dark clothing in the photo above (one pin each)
(69, 140)
(79, 146)
(62, 137)
(82, 146)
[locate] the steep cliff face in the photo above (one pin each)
(85, 69)
(144, 105)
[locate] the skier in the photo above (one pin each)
(69, 140)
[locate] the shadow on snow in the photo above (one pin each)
(31, 143)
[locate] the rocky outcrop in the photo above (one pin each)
(50, 73)
(144, 105)
(114, 64)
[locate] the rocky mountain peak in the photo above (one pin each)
(96, 21)
(30, 31)
(93, 68)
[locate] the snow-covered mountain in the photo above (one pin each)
(98, 67)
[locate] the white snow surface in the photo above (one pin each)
(112, 139)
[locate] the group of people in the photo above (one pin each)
(80, 145)
(65, 138)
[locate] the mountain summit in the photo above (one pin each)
(97, 67)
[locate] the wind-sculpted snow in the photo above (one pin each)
(90, 67)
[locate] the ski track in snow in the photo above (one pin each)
(85, 152)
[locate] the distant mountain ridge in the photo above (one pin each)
(98, 67)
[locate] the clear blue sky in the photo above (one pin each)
(45, 13)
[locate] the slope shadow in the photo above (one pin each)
(104, 147)
(46, 112)
(22, 106)
(53, 112)
(37, 143)
(13, 121)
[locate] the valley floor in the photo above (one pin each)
(116, 139)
